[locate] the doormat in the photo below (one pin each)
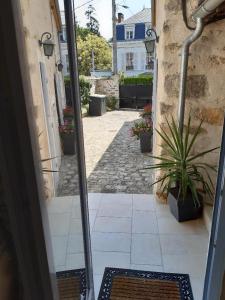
(143, 285)
(71, 284)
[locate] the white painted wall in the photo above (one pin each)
(139, 50)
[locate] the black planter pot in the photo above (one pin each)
(68, 144)
(184, 210)
(146, 142)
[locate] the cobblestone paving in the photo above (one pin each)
(114, 162)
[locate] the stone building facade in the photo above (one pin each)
(47, 83)
(205, 87)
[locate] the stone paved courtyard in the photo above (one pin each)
(114, 162)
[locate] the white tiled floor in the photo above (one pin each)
(129, 231)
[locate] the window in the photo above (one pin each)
(129, 35)
(129, 61)
(129, 32)
(149, 62)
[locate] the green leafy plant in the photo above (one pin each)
(141, 127)
(138, 80)
(181, 168)
(111, 102)
(85, 88)
(147, 113)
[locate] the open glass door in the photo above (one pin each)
(48, 235)
(214, 288)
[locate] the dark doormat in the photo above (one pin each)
(122, 284)
(71, 284)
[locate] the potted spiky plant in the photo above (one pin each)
(185, 176)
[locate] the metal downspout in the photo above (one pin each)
(184, 69)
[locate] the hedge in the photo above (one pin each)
(85, 88)
(140, 80)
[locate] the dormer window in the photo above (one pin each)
(129, 33)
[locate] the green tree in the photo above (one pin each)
(82, 32)
(93, 24)
(102, 54)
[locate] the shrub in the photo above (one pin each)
(85, 88)
(111, 102)
(140, 80)
(140, 127)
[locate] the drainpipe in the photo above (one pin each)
(206, 8)
(184, 68)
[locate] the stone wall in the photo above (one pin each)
(205, 87)
(38, 17)
(105, 86)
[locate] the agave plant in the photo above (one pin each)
(180, 167)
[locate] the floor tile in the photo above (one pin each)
(114, 242)
(115, 210)
(169, 225)
(94, 200)
(184, 244)
(76, 210)
(59, 223)
(146, 268)
(92, 218)
(197, 285)
(193, 265)
(75, 261)
(108, 224)
(101, 260)
(75, 226)
(59, 245)
(97, 284)
(117, 199)
(144, 222)
(145, 250)
(60, 205)
(75, 244)
(162, 210)
(144, 202)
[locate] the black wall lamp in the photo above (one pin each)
(59, 66)
(151, 39)
(47, 44)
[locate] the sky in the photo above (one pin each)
(104, 12)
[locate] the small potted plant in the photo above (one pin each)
(183, 171)
(67, 138)
(68, 113)
(142, 130)
(147, 113)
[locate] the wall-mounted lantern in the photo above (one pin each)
(59, 66)
(47, 44)
(151, 39)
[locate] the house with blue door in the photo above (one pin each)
(132, 58)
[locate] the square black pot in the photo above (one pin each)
(68, 144)
(184, 209)
(146, 142)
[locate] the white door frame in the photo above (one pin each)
(216, 255)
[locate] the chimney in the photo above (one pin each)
(120, 17)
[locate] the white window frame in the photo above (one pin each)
(129, 32)
(129, 61)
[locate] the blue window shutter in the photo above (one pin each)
(120, 32)
(140, 31)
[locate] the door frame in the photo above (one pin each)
(20, 161)
(216, 255)
(79, 138)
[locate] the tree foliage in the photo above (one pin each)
(101, 50)
(93, 24)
